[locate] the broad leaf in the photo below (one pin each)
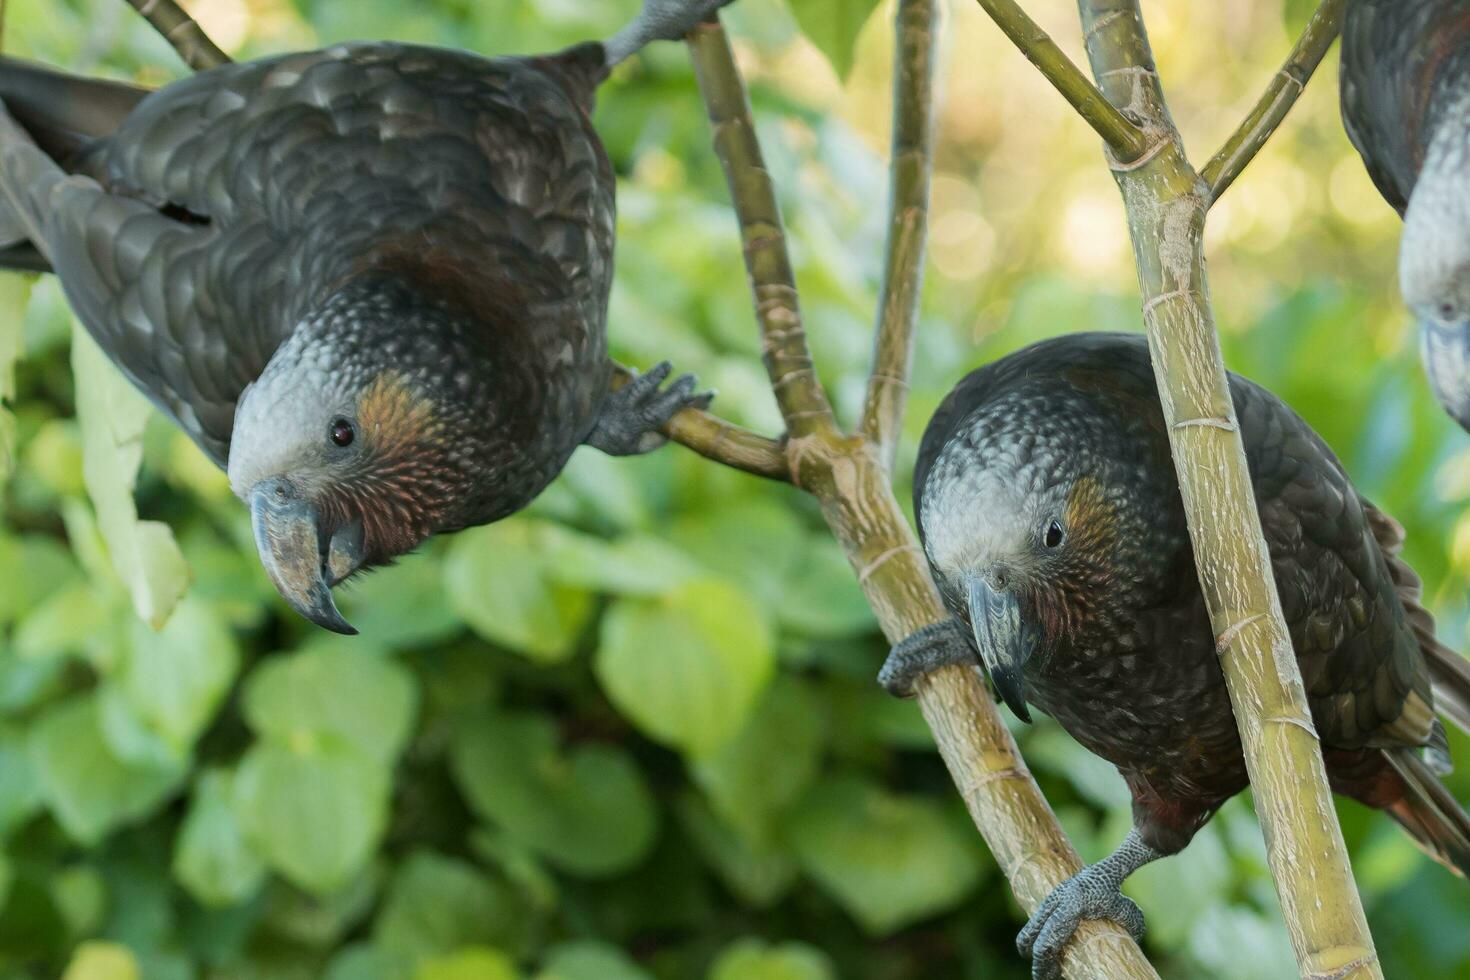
(103, 961)
(759, 873)
(112, 415)
(14, 292)
(889, 860)
(499, 583)
(833, 26)
(88, 788)
(687, 668)
(752, 959)
(313, 809)
(336, 690)
(753, 778)
(590, 960)
(437, 904)
(471, 963)
(212, 859)
(587, 811)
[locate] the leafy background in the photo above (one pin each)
(633, 733)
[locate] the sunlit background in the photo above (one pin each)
(633, 733)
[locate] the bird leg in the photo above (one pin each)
(1092, 893)
(632, 416)
(659, 20)
(925, 651)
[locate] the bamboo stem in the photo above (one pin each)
(799, 394)
(1280, 95)
(182, 32)
(1122, 137)
(1166, 202)
(910, 169)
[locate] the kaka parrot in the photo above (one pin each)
(369, 281)
(1406, 104)
(1050, 514)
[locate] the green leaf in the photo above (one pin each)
(760, 874)
(833, 26)
(472, 963)
(403, 608)
(756, 542)
(753, 959)
(589, 960)
(175, 679)
(33, 568)
(587, 811)
(74, 621)
(211, 857)
(889, 860)
(89, 789)
(822, 597)
(314, 809)
(336, 690)
(112, 415)
(20, 785)
(499, 583)
(756, 776)
(14, 294)
(437, 904)
(636, 565)
(686, 668)
(102, 961)
(366, 961)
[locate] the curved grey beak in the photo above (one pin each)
(1445, 350)
(302, 564)
(1003, 641)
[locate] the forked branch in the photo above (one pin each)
(1281, 94)
(912, 164)
(1126, 140)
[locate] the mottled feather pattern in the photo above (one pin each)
(1135, 676)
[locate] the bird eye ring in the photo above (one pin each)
(342, 432)
(1054, 535)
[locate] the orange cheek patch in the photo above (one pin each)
(392, 417)
(1091, 522)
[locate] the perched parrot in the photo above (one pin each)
(1406, 104)
(1052, 521)
(370, 281)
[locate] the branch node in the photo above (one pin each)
(1223, 641)
(1209, 422)
(867, 570)
(1305, 724)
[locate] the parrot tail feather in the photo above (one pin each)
(1432, 817)
(1449, 673)
(65, 114)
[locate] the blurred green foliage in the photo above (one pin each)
(633, 733)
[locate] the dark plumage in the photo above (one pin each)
(1406, 104)
(370, 280)
(1051, 517)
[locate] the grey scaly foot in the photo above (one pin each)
(632, 416)
(1092, 893)
(659, 20)
(922, 652)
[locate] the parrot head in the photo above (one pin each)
(1027, 516)
(358, 440)
(1434, 275)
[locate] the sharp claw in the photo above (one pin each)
(658, 373)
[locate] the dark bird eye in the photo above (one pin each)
(342, 432)
(1447, 311)
(1053, 534)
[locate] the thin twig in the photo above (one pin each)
(915, 35)
(799, 394)
(182, 33)
(720, 441)
(1285, 88)
(1125, 139)
(1166, 202)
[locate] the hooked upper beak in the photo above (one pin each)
(1003, 641)
(1445, 349)
(302, 562)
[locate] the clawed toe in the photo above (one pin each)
(633, 415)
(923, 652)
(1087, 895)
